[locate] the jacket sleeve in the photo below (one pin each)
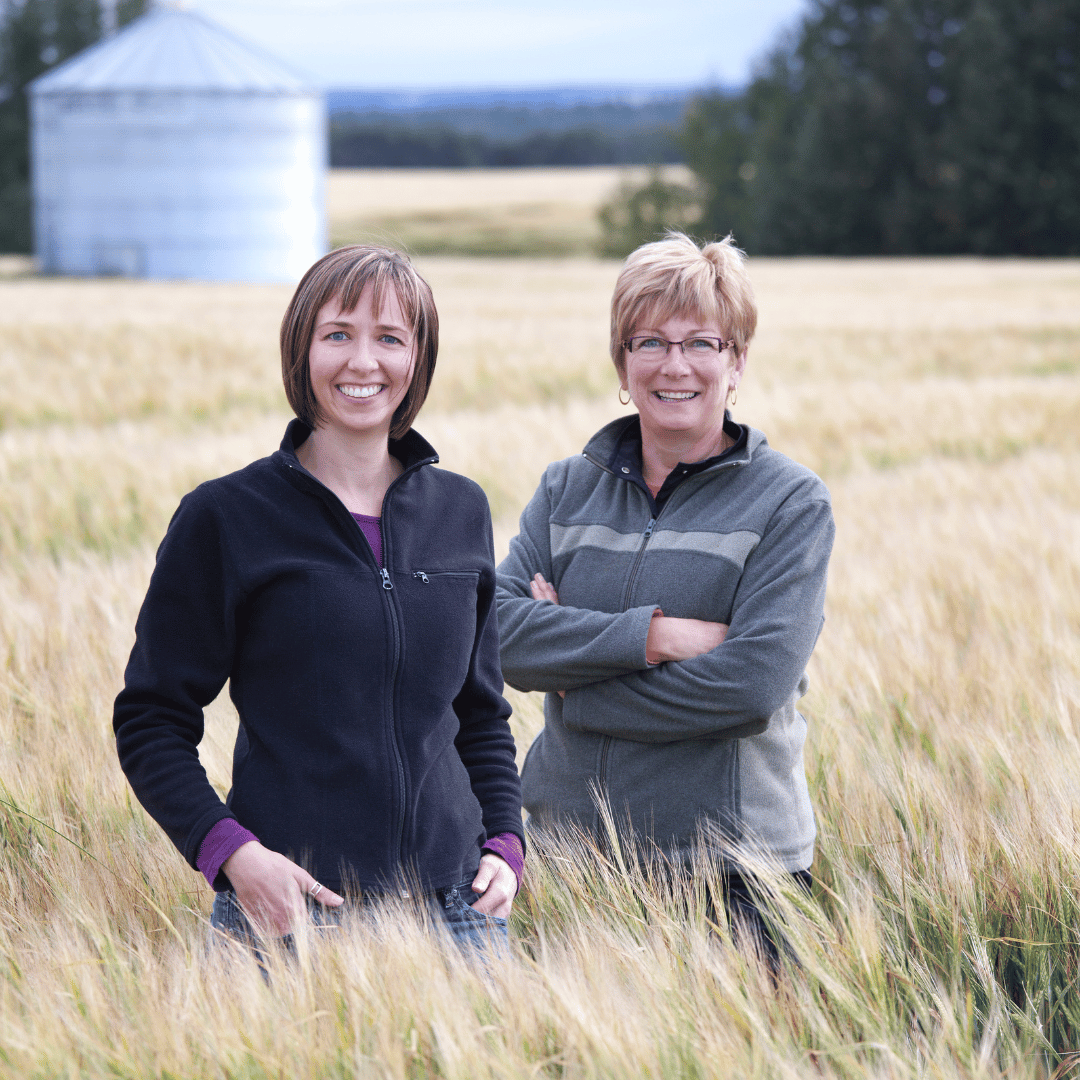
(553, 647)
(734, 689)
(184, 643)
(484, 741)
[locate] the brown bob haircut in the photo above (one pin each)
(344, 273)
(675, 276)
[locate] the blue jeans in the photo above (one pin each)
(473, 931)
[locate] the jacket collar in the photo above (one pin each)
(412, 449)
(600, 448)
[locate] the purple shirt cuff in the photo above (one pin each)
(509, 848)
(218, 844)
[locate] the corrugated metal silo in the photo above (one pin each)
(175, 150)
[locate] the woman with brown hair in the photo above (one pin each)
(345, 589)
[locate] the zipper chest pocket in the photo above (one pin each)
(427, 577)
(432, 577)
(446, 597)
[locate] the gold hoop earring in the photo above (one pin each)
(734, 394)
(621, 392)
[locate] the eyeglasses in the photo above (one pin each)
(650, 347)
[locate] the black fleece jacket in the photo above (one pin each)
(373, 745)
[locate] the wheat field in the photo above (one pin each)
(940, 400)
(521, 211)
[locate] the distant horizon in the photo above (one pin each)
(629, 88)
(555, 95)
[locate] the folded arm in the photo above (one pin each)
(732, 689)
(668, 638)
(546, 646)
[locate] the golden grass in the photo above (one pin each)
(939, 399)
(542, 211)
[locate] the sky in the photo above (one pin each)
(389, 44)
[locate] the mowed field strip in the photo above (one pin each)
(940, 401)
(534, 211)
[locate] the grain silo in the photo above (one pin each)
(175, 150)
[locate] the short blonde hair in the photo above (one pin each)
(675, 276)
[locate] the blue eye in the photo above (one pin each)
(702, 345)
(389, 339)
(337, 335)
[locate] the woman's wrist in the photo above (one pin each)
(223, 839)
(652, 653)
(510, 849)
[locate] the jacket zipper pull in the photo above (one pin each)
(387, 584)
(649, 528)
(421, 575)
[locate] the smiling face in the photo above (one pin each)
(361, 363)
(681, 397)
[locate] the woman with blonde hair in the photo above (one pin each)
(666, 590)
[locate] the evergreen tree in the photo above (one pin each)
(35, 35)
(903, 126)
(24, 42)
(75, 24)
(126, 10)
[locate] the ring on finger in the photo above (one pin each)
(314, 891)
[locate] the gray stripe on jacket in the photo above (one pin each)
(733, 546)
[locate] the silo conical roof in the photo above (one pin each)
(172, 49)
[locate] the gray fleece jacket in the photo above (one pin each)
(710, 747)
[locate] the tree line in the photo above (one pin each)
(888, 127)
(36, 35)
(359, 145)
(495, 133)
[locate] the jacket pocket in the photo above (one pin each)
(439, 633)
(443, 794)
